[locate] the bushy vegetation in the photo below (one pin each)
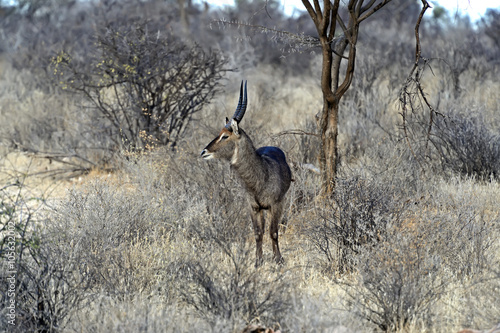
(148, 237)
(467, 146)
(146, 85)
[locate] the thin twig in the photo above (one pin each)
(414, 78)
(295, 132)
(300, 39)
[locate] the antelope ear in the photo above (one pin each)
(234, 126)
(227, 121)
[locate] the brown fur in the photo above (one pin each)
(264, 172)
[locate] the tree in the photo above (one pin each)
(327, 18)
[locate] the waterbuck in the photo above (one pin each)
(264, 172)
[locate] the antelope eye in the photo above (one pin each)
(224, 137)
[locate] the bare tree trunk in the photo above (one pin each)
(329, 153)
(330, 114)
(328, 122)
(326, 19)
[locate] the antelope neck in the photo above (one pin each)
(248, 164)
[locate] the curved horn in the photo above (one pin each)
(242, 105)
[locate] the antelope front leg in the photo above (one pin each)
(273, 231)
(258, 228)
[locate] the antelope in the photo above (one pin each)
(264, 173)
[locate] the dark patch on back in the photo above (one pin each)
(272, 152)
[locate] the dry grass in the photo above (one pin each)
(164, 243)
(151, 236)
(167, 233)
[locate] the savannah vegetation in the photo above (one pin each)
(110, 220)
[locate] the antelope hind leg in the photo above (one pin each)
(258, 228)
(276, 212)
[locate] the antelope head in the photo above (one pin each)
(224, 144)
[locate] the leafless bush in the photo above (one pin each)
(430, 245)
(100, 239)
(44, 281)
(399, 282)
(222, 282)
(467, 146)
(423, 252)
(114, 229)
(147, 85)
(427, 242)
(357, 218)
(491, 26)
(451, 142)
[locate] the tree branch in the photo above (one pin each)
(373, 10)
(405, 96)
(310, 10)
(344, 28)
(368, 6)
(334, 17)
(295, 132)
(418, 50)
(325, 21)
(317, 7)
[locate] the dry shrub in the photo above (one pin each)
(222, 284)
(357, 218)
(409, 241)
(177, 237)
(115, 229)
(144, 85)
(434, 245)
(106, 237)
(44, 281)
(466, 145)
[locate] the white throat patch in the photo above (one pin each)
(234, 158)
